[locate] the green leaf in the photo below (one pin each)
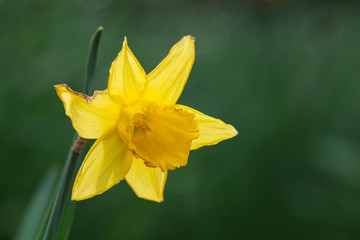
(37, 208)
(91, 60)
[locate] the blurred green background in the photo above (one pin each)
(284, 73)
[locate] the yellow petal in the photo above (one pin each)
(127, 79)
(212, 130)
(91, 117)
(106, 163)
(167, 80)
(147, 182)
(163, 137)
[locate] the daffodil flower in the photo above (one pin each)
(141, 132)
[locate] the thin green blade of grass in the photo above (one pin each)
(37, 208)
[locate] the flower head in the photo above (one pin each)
(141, 132)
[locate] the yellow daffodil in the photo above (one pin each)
(141, 132)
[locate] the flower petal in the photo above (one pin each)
(106, 163)
(127, 79)
(91, 117)
(147, 182)
(212, 130)
(163, 137)
(167, 80)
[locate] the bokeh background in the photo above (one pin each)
(284, 73)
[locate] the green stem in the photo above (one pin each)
(61, 198)
(73, 160)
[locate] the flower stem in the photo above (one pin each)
(62, 198)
